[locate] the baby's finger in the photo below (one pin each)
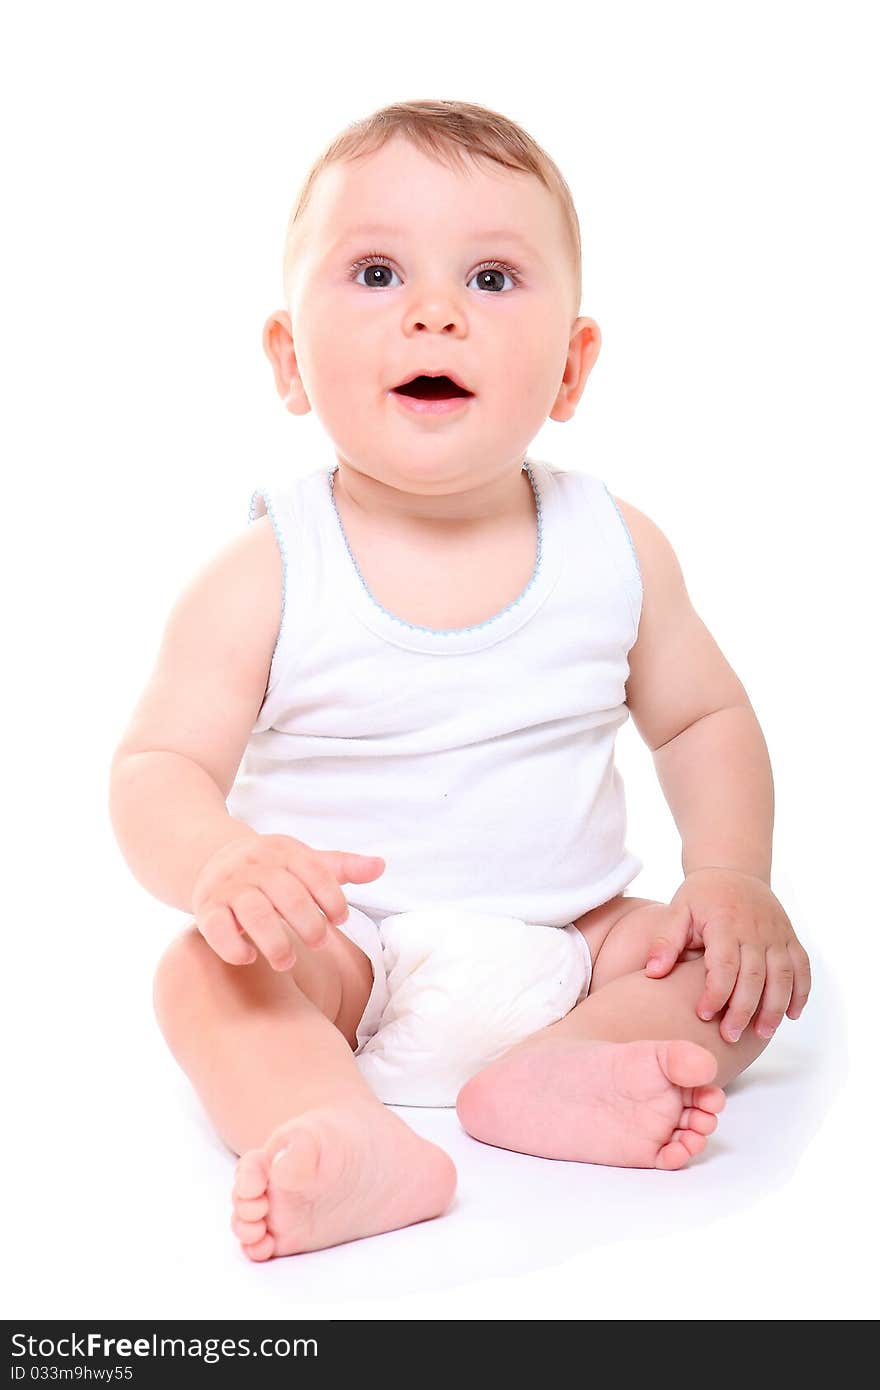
(802, 979)
(267, 931)
(722, 961)
(223, 935)
(777, 992)
(348, 867)
(294, 904)
(749, 987)
(669, 940)
(324, 888)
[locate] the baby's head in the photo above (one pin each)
(432, 237)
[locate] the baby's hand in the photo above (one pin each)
(753, 958)
(269, 885)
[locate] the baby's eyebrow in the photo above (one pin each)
(492, 234)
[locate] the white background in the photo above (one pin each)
(723, 162)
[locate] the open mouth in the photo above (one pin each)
(431, 388)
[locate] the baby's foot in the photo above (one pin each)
(633, 1104)
(335, 1174)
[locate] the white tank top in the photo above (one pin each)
(478, 761)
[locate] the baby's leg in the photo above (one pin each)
(270, 1054)
(622, 1079)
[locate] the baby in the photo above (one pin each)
(405, 677)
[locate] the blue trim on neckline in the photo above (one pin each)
(447, 631)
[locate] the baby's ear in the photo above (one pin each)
(583, 349)
(297, 402)
(279, 348)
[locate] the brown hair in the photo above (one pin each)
(441, 130)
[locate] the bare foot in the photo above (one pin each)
(631, 1105)
(335, 1174)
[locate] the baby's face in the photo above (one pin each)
(407, 267)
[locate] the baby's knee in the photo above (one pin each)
(180, 974)
(627, 946)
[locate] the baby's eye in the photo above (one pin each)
(490, 276)
(376, 271)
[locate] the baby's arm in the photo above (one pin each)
(177, 761)
(178, 757)
(712, 763)
(692, 711)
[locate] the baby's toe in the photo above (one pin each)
(262, 1250)
(248, 1232)
(699, 1120)
(710, 1098)
(251, 1209)
(690, 1140)
(682, 1147)
(673, 1155)
(251, 1176)
(686, 1064)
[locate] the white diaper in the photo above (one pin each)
(459, 989)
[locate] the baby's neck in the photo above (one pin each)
(368, 498)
